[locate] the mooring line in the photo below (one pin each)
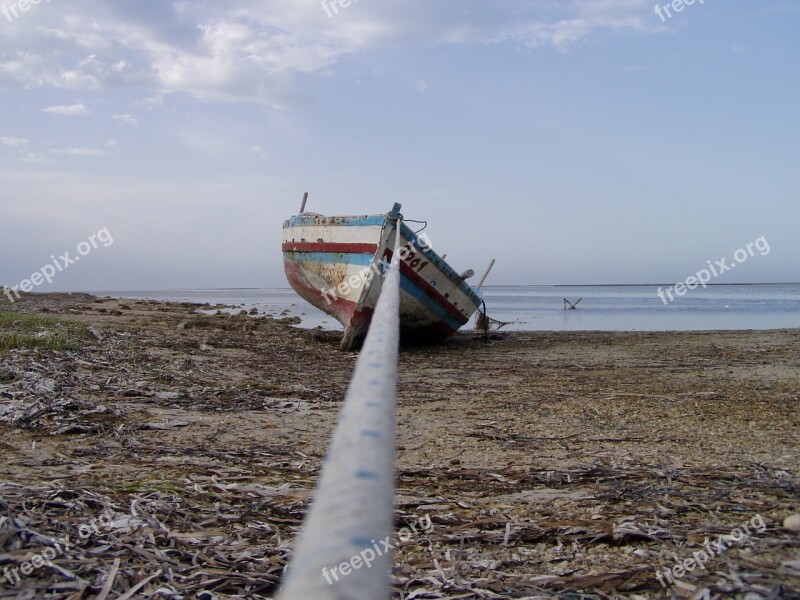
(343, 549)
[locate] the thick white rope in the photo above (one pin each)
(343, 550)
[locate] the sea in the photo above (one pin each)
(542, 307)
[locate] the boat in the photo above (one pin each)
(336, 263)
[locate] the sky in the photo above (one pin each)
(575, 141)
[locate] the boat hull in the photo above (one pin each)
(335, 264)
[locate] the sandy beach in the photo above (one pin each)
(162, 452)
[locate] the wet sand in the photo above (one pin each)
(188, 447)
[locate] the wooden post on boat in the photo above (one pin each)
(303, 205)
(352, 512)
(485, 275)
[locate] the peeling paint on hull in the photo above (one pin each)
(334, 263)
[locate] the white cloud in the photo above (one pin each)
(253, 50)
(126, 120)
(14, 142)
(81, 152)
(75, 110)
(35, 158)
(151, 102)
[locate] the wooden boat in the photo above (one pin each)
(335, 264)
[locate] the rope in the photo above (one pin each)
(340, 554)
(423, 223)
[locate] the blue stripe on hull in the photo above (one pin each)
(429, 303)
(329, 258)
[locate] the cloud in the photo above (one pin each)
(126, 120)
(81, 152)
(150, 102)
(14, 142)
(35, 158)
(255, 50)
(564, 34)
(23, 151)
(75, 110)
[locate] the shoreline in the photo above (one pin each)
(537, 309)
(547, 461)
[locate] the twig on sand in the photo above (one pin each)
(138, 586)
(112, 574)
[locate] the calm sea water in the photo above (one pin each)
(541, 308)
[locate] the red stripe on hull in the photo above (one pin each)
(429, 290)
(332, 247)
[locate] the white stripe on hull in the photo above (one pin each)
(337, 234)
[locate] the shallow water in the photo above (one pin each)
(639, 308)
(541, 308)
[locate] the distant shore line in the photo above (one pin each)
(527, 285)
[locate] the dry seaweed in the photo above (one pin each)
(185, 448)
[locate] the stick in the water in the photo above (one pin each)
(485, 275)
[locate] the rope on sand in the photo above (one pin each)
(340, 554)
